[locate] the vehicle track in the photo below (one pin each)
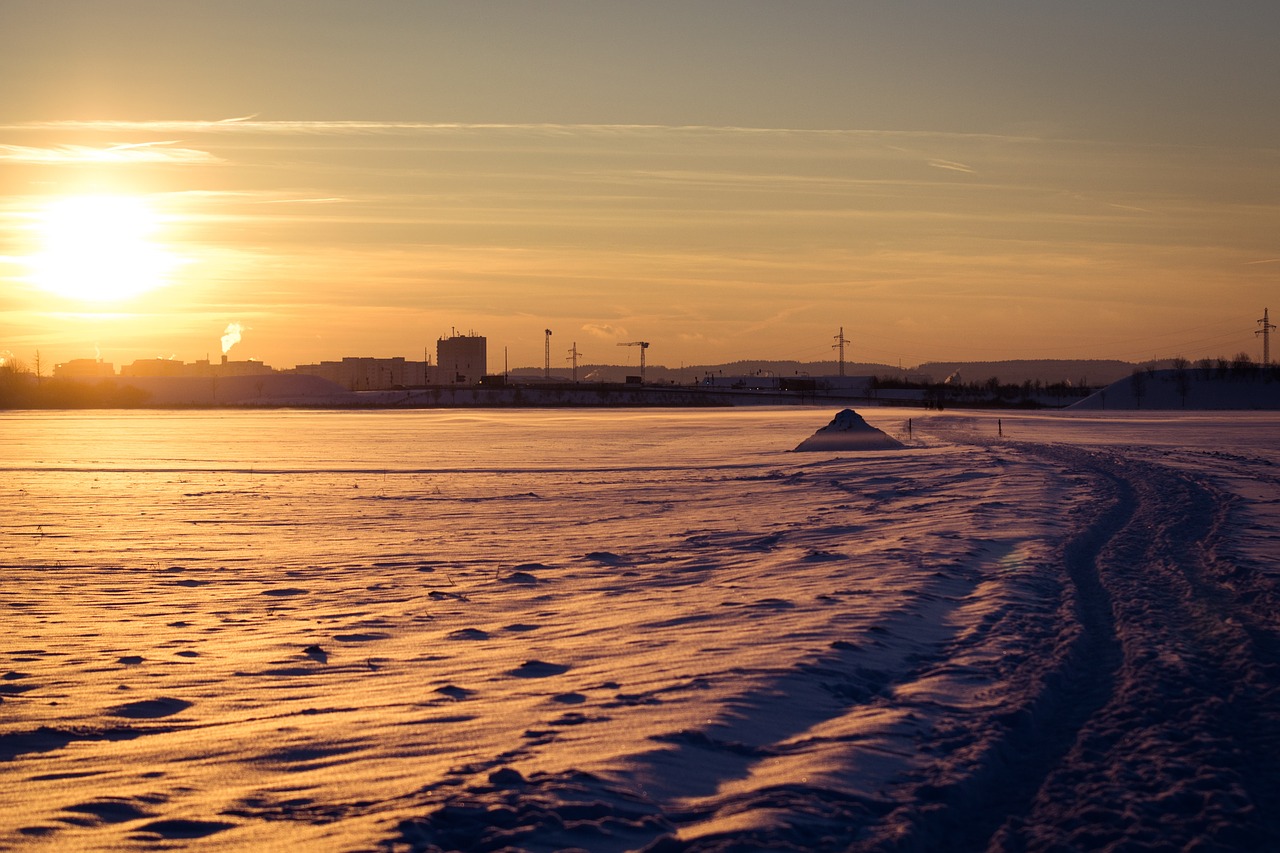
(1182, 755)
(1157, 725)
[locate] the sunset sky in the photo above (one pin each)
(725, 179)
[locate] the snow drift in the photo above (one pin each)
(1193, 389)
(848, 431)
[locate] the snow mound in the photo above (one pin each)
(848, 431)
(1200, 388)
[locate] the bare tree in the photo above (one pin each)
(1182, 378)
(1138, 383)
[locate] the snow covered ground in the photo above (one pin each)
(612, 630)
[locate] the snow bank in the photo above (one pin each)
(1192, 389)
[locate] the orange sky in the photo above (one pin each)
(996, 184)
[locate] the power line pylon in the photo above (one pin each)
(839, 344)
(574, 355)
(1265, 331)
(546, 357)
(644, 345)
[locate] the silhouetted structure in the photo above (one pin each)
(370, 374)
(644, 345)
(1265, 331)
(462, 359)
(83, 368)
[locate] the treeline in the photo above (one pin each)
(1241, 367)
(1034, 393)
(1029, 394)
(23, 390)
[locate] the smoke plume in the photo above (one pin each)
(231, 336)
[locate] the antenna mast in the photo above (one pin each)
(546, 357)
(1265, 331)
(839, 344)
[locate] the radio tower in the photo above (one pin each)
(546, 357)
(839, 344)
(1265, 331)
(573, 357)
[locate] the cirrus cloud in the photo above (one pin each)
(125, 153)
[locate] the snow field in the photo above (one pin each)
(613, 630)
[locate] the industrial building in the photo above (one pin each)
(160, 367)
(370, 374)
(84, 368)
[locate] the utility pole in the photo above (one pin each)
(1265, 331)
(573, 357)
(839, 344)
(546, 357)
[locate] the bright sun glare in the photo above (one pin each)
(99, 249)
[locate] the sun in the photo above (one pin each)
(99, 248)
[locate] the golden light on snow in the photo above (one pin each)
(100, 248)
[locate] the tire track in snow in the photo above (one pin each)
(1184, 754)
(965, 800)
(1158, 724)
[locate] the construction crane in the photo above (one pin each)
(644, 345)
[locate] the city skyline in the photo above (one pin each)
(728, 180)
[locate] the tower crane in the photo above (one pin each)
(644, 345)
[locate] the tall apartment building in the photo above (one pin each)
(461, 359)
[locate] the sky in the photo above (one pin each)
(724, 179)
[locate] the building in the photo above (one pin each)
(83, 368)
(461, 359)
(150, 367)
(160, 367)
(370, 374)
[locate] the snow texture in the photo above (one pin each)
(638, 630)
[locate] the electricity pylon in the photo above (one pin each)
(1265, 331)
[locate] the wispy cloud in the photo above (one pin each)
(141, 152)
(604, 331)
(951, 166)
(253, 124)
